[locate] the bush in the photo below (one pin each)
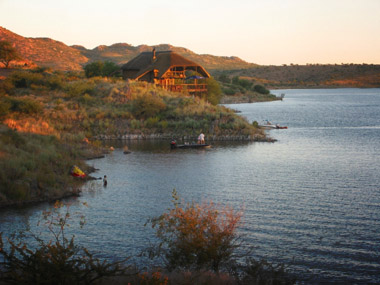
(260, 89)
(196, 236)
(147, 105)
(229, 91)
(79, 88)
(5, 107)
(99, 68)
(224, 78)
(255, 124)
(27, 106)
(24, 79)
(93, 69)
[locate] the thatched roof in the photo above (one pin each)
(163, 61)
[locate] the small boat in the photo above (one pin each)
(269, 125)
(173, 144)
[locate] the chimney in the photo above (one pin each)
(154, 54)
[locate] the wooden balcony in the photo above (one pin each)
(188, 88)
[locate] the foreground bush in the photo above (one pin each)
(57, 261)
(196, 236)
(200, 244)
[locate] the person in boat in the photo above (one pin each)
(201, 139)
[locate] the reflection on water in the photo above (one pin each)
(311, 200)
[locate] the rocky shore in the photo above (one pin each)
(255, 138)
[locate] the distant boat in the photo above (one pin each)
(173, 145)
(268, 125)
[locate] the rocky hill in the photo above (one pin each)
(57, 55)
(44, 52)
(121, 53)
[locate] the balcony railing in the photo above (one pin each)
(190, 88)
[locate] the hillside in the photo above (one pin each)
(54, 54)
(310, 76)
(121, 53)
(44, 52)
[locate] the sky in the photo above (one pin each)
(266, 32)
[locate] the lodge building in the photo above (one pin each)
(169, 70)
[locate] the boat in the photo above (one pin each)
(268, 125)
(173, 145)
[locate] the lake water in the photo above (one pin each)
(311, 200)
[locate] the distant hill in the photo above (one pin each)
(310, 76)
(121, 53)
(57, 55)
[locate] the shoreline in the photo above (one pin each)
(154, 136)
(76, 191)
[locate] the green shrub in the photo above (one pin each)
(86, 99)
(24, 79)
(260, 89)
(79, 88)
(229, 91)
(5, 107)
(93, 69)
(164, 124)
(224, 78)
(255, 124)
(27, 106)
(135, 124)
(152, 122)
(6, 86)
(99, 68)
(147, 105)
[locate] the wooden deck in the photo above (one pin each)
(189, 88)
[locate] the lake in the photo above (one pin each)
(311, 200)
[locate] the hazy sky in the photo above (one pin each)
(259, 31)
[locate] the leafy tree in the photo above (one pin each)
(110, 69)
(214, 91)
(99, 68)
(196, 236)
(93, 69)
(7, 53)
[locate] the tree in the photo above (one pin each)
(7, 53)
(214, 91)
(99, 68)
(196, 236)
(93, 69)
(110, 69)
